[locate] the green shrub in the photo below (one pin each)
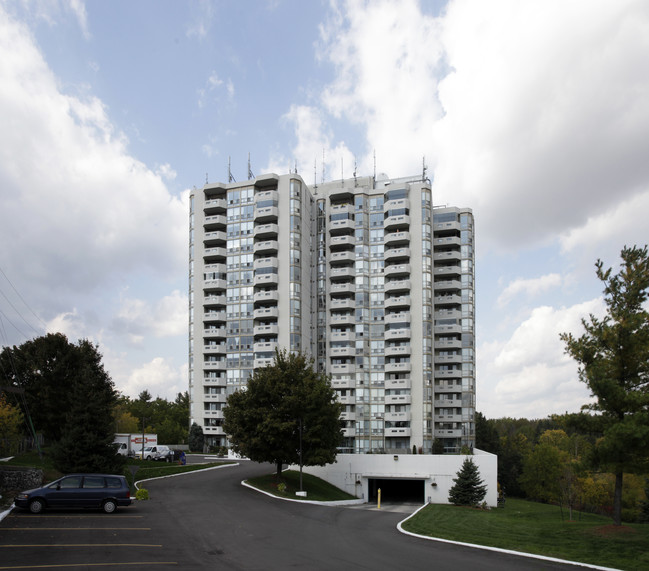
(142, 494)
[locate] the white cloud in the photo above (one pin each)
(158, 376)
(529, 375)
(530, 287)
(95, 212)
(165, 317)
(546, 113)
(166, 172)
(387, 57)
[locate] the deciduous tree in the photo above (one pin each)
(613, 355)
(286, 408)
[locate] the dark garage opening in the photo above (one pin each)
(395, 490)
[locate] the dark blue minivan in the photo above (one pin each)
(105, 491)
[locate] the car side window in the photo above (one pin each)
(93, 482)
(70, 482)
(113, 483)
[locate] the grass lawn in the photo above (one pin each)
(538, 528)
(317, 490)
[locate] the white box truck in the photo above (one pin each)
(132, 444)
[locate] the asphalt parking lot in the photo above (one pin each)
(129, 538)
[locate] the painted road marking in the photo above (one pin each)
(134, 564)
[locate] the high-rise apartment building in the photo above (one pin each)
(364, 275)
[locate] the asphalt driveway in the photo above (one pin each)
(208, 520)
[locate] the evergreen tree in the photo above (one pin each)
(469, 488)
(613, 355)
(196, 438)
(287, 414)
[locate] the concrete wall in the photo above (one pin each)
(352, 472)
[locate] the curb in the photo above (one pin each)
(497, 549)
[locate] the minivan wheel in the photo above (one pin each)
(36, 506)
(109, 506)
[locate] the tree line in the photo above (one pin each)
(58, 392)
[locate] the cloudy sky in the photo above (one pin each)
(534, 114)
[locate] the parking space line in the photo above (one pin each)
(75, 528)
(81, 545)
(135, 564)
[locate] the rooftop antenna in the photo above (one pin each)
(230, 177)
(423, 170)
(355, 181)
(250, 175)
(375, 164)
(315, 173)
(295, 166)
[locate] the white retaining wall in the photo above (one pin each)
(352, 472)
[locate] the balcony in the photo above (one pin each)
(266, 214)
(394, 238)
(215, 365)
(396, 432)
(447, 300)
(217, 237)
(447, 329)
(445, 285)
(268, 262)
(214, 430)
(397, 285)
(448, 374)
(342, 352)
(448, 314)
(398, 383)
(214, 286)
(447, 255)
(343, 369)
(397, 399)
(446, 226)
(266, 295)
(448, 270)
(345, 303)
(338, 227)
(265, 248)
(214, 333)
(265, 231)
(397, 350)
(397, 416)
(340, 288)
(396, 301)
(342, 336)
(448, 433)
(397, 270)
(448, 343)
(214, 349)
(266, 313)
(214, 205)
(400, 222)
(214, 300)
(397, 367)
(394, 254)
(451, 241)
(214, 254)
(261, 363)
(347, 432)
(214, 316)
(266, 195)
(342, 273)
(265, 279)
(342, 319)
(265, 346)
(347, 399)
(403, 317)
(341, 257)
(396, 203)
(448, 403)
(341, 242)
(403, 333)
(265, 330)
(215, 222)
(215, 398)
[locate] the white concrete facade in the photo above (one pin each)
(365, 275)
(353, 472)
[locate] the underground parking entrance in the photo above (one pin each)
(397, 490)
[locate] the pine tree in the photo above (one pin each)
(196, 438)
(469, 489)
